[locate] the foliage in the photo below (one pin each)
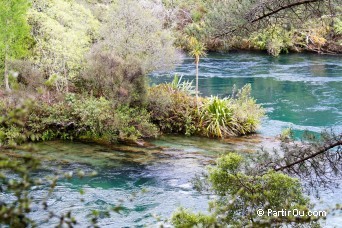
(223, 25)
(286, 134)
(63, 32)
(217, 117)
(338, 26)
(114, 78)
(137, 36)
(242, 193)
(185, 219)
(273, 39)
(184, 86)
(73, 118)
(30, 77)
(14, 33)
(132, 44)
(170, 108)
(231, 116)
(247, 114)
(173, 109)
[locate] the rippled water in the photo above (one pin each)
(299, 90)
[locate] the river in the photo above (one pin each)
(301, 91)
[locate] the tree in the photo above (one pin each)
(14, 33)
(64, 32)
(315, 160)
(243, 193)
(197, 49)
(306, 24)
(135, 34)
(246, 16)
(268, 181)
(132, 43)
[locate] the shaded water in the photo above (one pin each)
(298, 90)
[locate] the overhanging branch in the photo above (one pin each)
(321, 151)
(266, 14)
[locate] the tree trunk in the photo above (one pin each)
(8, 89)
(197, 63)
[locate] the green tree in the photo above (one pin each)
(14, 34)
(197, 50)
(242, 192)
(64, 32)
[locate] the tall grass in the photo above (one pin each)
(231, 116)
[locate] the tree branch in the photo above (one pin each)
(265, 15)
(283, 8)
(321, 151)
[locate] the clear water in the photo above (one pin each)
(299, 90)
(302, 91)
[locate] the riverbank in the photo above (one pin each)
(302, 91)
(169, 108)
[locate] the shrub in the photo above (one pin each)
(231, 116)
(273, 39)
(29, 76)
(338, 26)
(185, 219)
(114, 78)
(216, 117)
(172, 109)
(76, 117)
(241, 192)
(247, 113)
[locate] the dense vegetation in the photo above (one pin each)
(84, 76)
(275, 26)
(268, 181)
(77, 70)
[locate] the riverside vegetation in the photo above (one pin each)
(89, 83)
(77, 70)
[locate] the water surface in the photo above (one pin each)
(302, 91)
(298, 90)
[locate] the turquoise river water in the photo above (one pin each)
(301, 91)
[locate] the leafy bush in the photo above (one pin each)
(338, 26)
(273, 39)
(231, 116)
(110, 76)
(75, 117)
(241, 193)
(29, 76)
(247, 113)
(12, 122)
(216, 117)
(185, 219)
(173, 109)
